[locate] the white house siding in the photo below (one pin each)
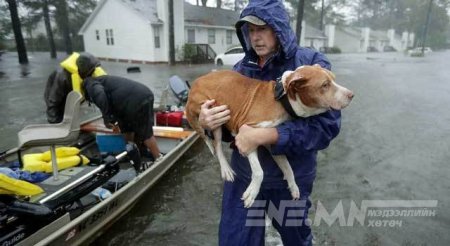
(407, 40)
(221, 40)
(133, 36)
(220, 45)
(315, 43)
(162, 54)
(346, 42)
(308, 38)
(178, 24)
(163, 13)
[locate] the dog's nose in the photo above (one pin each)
(350, 95)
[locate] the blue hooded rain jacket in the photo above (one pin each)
(299, 139)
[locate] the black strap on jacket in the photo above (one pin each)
(282, 97)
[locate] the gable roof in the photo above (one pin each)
(145, 8)
(91, 17)
(199, 15)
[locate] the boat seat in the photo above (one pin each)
(65, 132)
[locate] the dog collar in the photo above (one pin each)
(281, 96)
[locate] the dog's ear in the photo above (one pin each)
(294, 83)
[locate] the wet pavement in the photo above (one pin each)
(393, 146)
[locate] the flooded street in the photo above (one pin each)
(393, 146)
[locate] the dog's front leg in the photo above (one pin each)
(252, 191)
(225, 169)
(283, 164)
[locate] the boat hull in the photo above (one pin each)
(96, 220)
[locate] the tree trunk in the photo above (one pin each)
(21, 49)
(204, 3)
(425, 30)
(171, 34)
(219, 4)
(322, 12)
(48, 29)
(237, 5)
(63, 23)
(300, 10)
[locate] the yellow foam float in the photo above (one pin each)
(60, 152)
(66, 157)
(12, 186)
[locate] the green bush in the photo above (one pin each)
(335, 50)
(188, 52)
(330, 50)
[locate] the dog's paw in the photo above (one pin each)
(227, 174)
(295, 192)
(249, 196)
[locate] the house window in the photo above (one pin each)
(229, 36)
(97, 34)
(109, 37)
(211, 36)
(191, 36)
(157, 37)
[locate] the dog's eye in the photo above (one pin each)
(326, 85)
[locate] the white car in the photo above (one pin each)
(230, 57)
(418, 50)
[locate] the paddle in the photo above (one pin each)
(158, 131)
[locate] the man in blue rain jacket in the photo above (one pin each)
(270, 49)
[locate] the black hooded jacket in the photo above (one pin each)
(118, 98)
(86, 64)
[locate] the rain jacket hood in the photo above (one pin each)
(274, 14)
(86, 64)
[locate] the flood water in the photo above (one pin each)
(393, 146)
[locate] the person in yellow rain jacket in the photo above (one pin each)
(65, 79)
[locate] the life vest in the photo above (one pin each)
(42, 162)
(70, 64)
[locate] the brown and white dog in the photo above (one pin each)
(310, 90)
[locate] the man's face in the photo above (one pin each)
(263, 39)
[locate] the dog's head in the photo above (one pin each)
(315, 88)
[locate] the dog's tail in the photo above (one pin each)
(192, 117)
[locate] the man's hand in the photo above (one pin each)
(249, 138)
(210, 117)
(115, 127)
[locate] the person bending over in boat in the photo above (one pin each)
(62, 81)
(126, 105)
